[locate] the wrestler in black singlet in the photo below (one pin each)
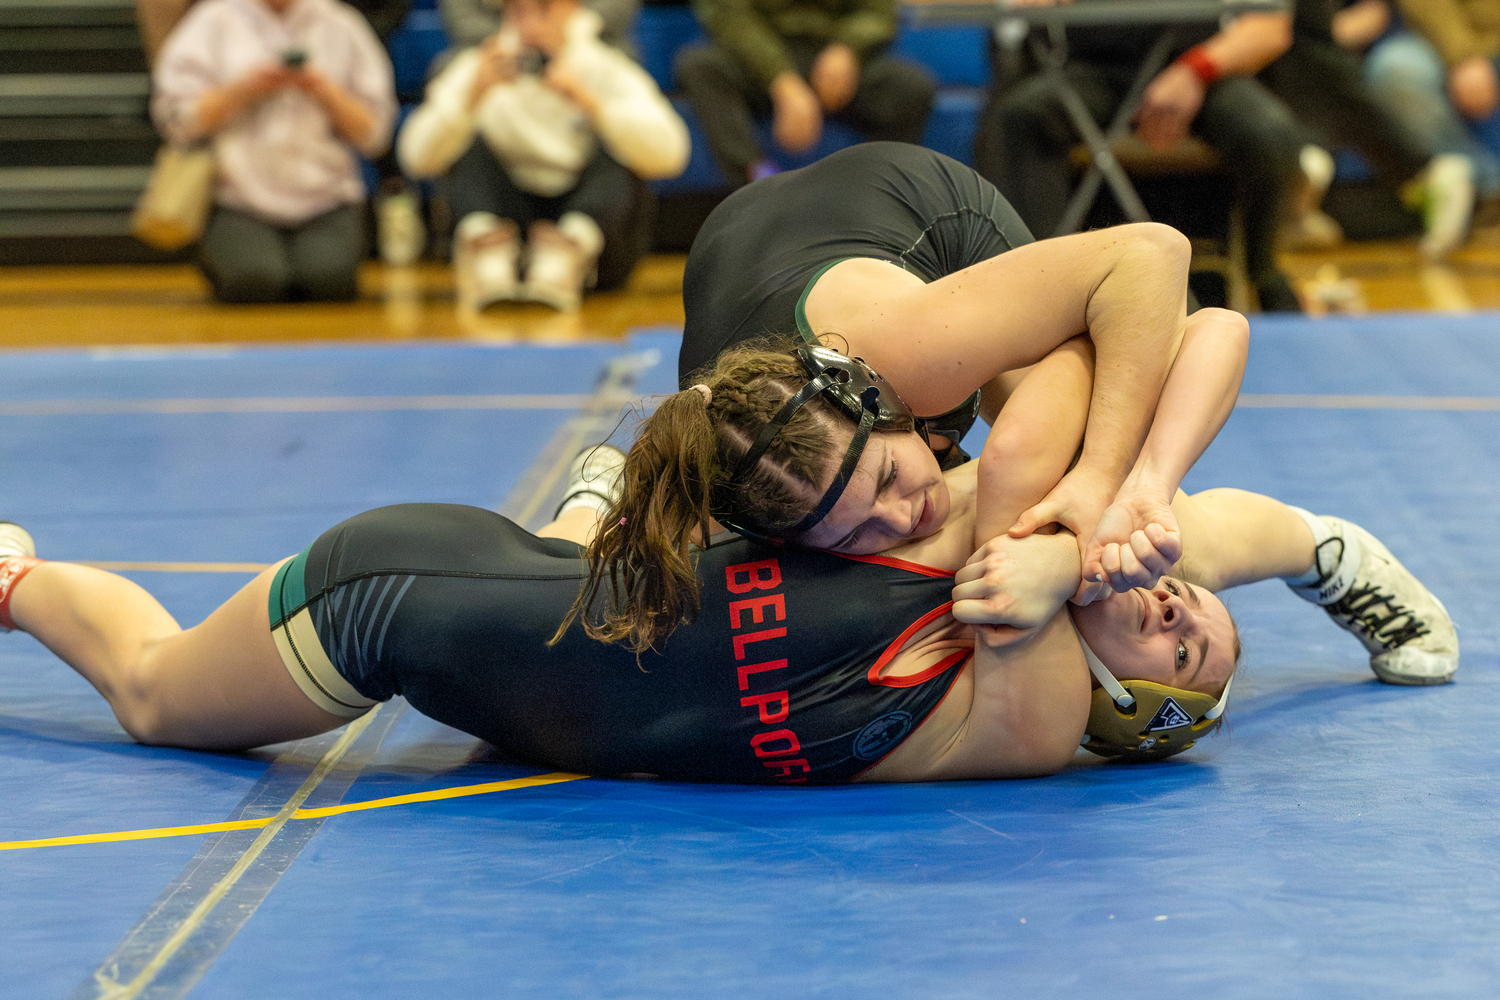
(452, 607)
(759, 251)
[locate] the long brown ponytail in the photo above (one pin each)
(677, 475)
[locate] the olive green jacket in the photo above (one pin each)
(1458, 29)
(754, 30)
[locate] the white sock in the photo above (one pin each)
(1336, 577)
(594, 480)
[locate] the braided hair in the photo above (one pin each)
(677, 475)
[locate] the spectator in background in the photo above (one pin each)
(157, 18)
(798, 61)
(1025, 135)
(1321, 80)
(1441, 71)
(288, 92)
(546, 129)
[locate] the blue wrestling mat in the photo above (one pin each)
(1340, 840)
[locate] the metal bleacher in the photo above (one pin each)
(75, 141)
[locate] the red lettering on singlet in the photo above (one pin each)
(785, 769)
(774, 747)
(755, 668)
(741, 641)
(780, 699)
(759, 741)
(753, 579)
(757, 608)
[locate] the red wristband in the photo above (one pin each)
(1203, 67)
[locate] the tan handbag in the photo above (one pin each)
(173, 209)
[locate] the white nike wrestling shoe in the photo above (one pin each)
(1366, 590)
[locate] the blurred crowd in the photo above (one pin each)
(539, 131)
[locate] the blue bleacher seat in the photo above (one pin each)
(412, 48)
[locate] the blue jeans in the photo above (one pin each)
(1409, 75)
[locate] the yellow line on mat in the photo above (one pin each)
(255, 824)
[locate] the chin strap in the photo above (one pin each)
(1123, 699)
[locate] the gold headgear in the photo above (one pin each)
(1140, 720)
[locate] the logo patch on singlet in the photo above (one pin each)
(1169, 716)
(880, 735)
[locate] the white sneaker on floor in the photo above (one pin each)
(486, 260)
(557, 268)
(15, 541)
(594, 479)
(1406, 629)
(1310, 227)
(1446, 197)
(400, 233)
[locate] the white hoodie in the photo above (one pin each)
(542, 138)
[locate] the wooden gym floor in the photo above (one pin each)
(44, 307)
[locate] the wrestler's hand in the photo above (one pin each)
(1076, 503)
(1012, 585)
(1136, 541)
(797, 117)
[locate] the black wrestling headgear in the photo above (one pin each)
(855, 390)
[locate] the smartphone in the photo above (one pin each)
(532, 62)
(294, 59)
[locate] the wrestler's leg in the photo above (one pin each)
(218, 686)
(1232, 537)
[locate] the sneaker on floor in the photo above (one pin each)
(1311, 228)
(1406, 629)
(398, 225)
(486, 260)
(15, 541)
(594, 479)
(1444, 193)
(1314, 230)
(557, 267)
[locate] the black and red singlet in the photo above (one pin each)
(775, 681)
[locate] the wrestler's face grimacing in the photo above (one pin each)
(1174, 634)
(896, 493)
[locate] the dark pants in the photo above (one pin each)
(606, 192)
(250, 260)
(1025, 137)
(1324, 85)
(893, 101)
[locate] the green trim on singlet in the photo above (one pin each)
(801, 310)
(288, 588)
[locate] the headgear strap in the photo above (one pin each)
(851, 388)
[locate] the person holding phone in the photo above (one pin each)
(545, 134)
(290, 93)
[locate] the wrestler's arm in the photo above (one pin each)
(938, 342)
(1137, 539)
(1018, 709)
